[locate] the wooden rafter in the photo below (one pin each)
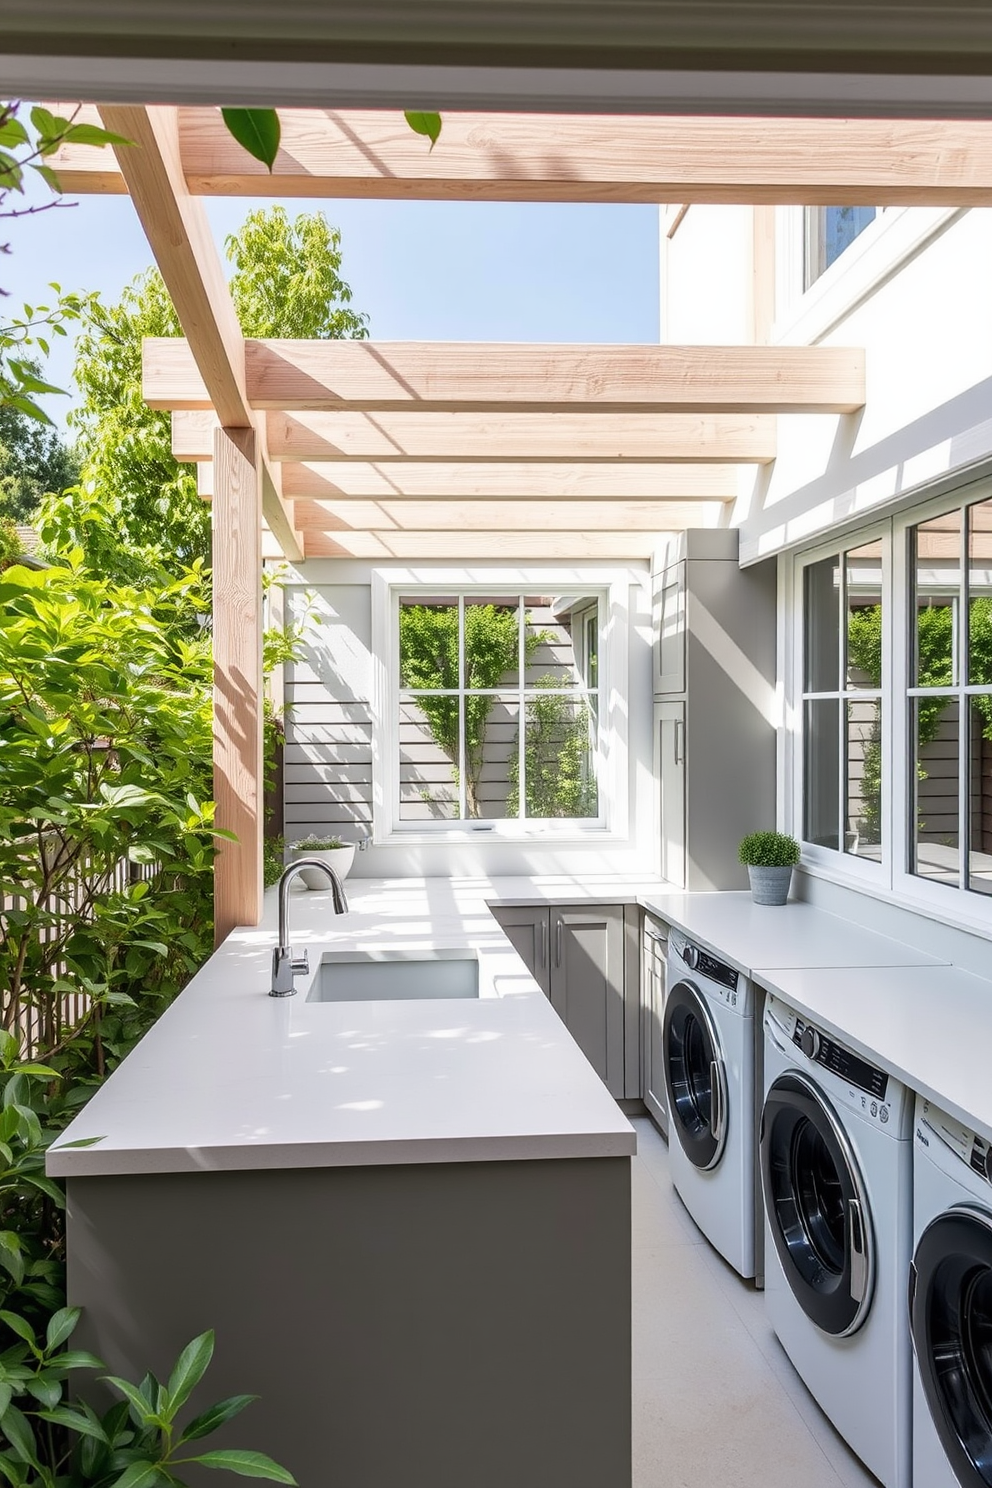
(561, 482)
(528, 545)
(569, 158)
(391, 376)
(384, 437)
(179, 235)
(498, 516)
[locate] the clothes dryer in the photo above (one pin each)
(708, 1047)
(836, 1175)
(950, 1299)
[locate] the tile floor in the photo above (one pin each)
(716, 1400)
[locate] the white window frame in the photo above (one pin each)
(892, 879)
(848, 866)
(610, 587)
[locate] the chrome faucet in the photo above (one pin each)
(285, 965)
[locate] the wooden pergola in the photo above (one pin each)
(420, 451)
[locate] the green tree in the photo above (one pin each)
(136, 510)
(33, 460)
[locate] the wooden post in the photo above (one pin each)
(237, 587)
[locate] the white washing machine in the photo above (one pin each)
(950, 1297)
(836, 1165)
(708, 1049)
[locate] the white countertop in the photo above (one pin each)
(929, 1026)
(232, 1078)
(747, 935)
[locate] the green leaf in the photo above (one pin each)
(245, 1464)
(257, 130)
(424, 123)
(84, 1141)
(38, 1071)
(139, 1405)
(12, 132)
(17, 1429)
(60, 1326)
(75, 1420)
(76, 1359)
(46, 1186)
(189, 1370)
(138, 1475)
(6, 1395)
(20, 1326)
(91, 134)
(217, 1415)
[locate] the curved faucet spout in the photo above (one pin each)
(285, 966)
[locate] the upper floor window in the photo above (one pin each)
(829, 230)
(498, 700)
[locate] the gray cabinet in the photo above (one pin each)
(652, 1018)
(528, 929)
(714, 681)
(586, 960)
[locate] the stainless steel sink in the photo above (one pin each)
(390, 975)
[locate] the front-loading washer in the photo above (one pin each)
(708, 1050)
(836, 1175)
(950, 1303)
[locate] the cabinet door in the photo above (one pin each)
(587, 985)
(669, 629)
(528, 930)
(653, 1013)
(669, 773)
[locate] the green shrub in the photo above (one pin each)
(768, 850)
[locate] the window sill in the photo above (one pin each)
(955, 916)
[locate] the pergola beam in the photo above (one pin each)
(467, 376)
(530, 438)
(529, 545)
(438, 437)
(179, 235)
(562, 481)
(583, 158)
(498, 516)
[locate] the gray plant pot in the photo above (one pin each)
(769, 885)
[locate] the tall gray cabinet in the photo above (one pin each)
(714, 691)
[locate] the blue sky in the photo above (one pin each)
(420, 270)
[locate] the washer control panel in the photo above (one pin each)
(822, 1049)
(970, 1148)
(708, 966)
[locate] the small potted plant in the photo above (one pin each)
(333, 851)
(769, 858)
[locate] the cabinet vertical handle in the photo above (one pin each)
(558, 942)
(544, 941)
(679, 740)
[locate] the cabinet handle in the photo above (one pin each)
(558, 942)
(544, 942)
(679, 740)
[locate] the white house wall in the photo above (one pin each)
(926, 326)
(706, 276)
(330, 741)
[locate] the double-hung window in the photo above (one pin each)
(895, 707)
(950, 698)
(842, 702)
(497, 702)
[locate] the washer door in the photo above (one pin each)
(950, 1306)
(817, 1205)
(695, 1076)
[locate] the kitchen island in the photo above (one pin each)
(408, 1221)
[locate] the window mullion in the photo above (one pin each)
(462, 757)
(964, 716)
(521, 708)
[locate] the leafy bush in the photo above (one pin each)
(315, 843)
(768, 850)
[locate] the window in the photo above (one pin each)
(829, 230)
(950, 698)
(498, 706)
(842, 702)
(894, 681)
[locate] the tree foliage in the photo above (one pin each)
(33, 460)
(136, 510)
